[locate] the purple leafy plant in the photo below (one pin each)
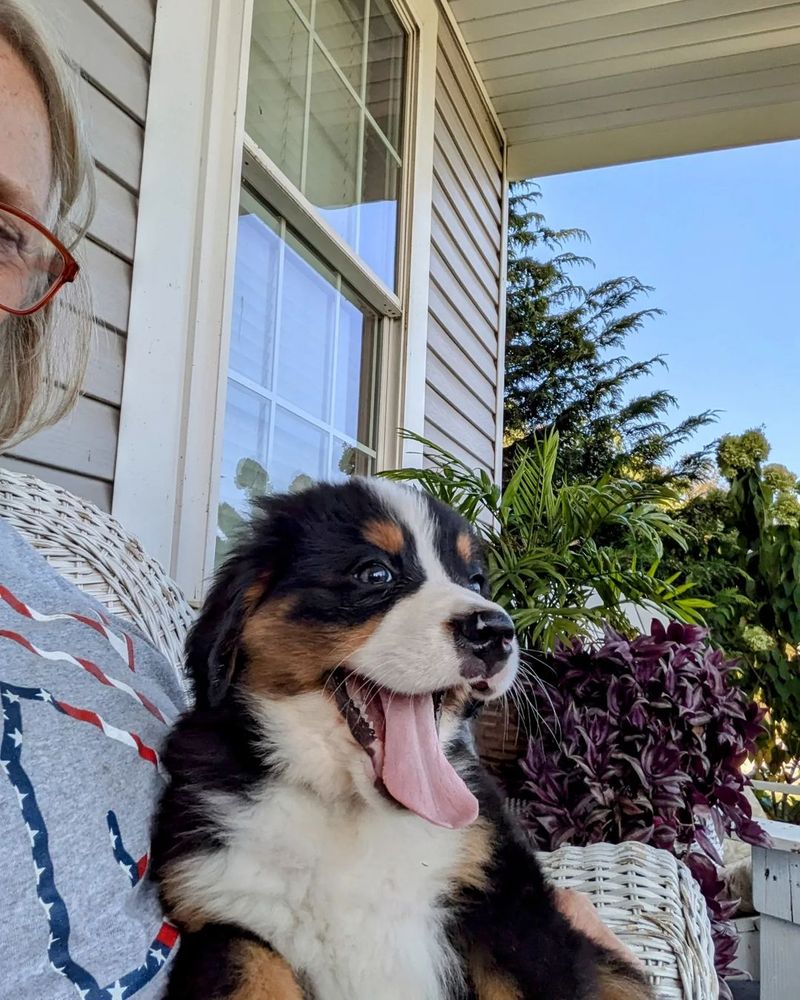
(643, 739)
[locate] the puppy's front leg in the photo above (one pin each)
(226, 963)
(518, 946)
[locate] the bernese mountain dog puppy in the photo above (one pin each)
(328, 832)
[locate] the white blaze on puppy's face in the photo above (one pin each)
(419, 652)
(413, 649)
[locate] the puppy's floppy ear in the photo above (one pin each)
(213, 653)
(212, 649)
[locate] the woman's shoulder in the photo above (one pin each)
(40, 605)
(85, 706)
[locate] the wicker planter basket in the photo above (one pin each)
(498, 733)
(652, 903)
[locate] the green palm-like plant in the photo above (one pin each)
(564, 559)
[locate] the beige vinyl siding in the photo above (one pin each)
(466, 261)
(110, 42)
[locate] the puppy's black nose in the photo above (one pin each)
(488, 636)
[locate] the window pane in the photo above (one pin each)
(244, 443)
(307, 328)
(276, 87)
(355, 365)
(349, 461)
(340, 26)
(321, 131)
(244, 460)
(255, 292)
(299, 452)
(333, 131)
(378, 213)
(386, 70)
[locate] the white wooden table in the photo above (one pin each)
(776, 896)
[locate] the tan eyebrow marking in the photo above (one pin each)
(464, 546)
(386, 535)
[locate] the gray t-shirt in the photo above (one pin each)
(86, 702)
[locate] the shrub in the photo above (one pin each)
(644, 739)
(564, 557)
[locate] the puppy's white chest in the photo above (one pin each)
(350, 899)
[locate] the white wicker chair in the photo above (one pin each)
(646, 897)
(92, 550)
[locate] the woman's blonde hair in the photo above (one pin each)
(43, 357)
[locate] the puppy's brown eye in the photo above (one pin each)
(375, 574)
(477, 582)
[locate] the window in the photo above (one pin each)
(325, 107)
(325, 103)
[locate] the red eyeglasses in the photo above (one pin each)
(34, 264)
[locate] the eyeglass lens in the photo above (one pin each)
(30, 264)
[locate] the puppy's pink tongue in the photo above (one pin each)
(415, 770)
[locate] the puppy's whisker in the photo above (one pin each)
(532, 675)
(528, 696)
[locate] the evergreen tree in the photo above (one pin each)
(743, 556)
(565, 364)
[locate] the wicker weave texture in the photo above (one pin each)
(92, 550)
(652, 903)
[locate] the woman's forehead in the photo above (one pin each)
(25, 149)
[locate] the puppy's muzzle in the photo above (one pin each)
(487, 640)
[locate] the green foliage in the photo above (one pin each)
(738, 453)
(773, 674)
(784, 490)
(566, 369)
(778, 805)
(744, 555)
(549, 565)
(252, 480)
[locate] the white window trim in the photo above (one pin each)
(166, 481)
(501, 342)
(283, 198)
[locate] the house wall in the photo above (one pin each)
(110, 41)
(464, 359)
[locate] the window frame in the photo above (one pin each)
(280, 194)
(170, 444)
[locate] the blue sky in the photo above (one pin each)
(718, 236)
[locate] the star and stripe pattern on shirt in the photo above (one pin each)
(133, 869)
(53, 905)
(59, 656)
(51, 901)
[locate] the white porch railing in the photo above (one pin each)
(776, 896)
